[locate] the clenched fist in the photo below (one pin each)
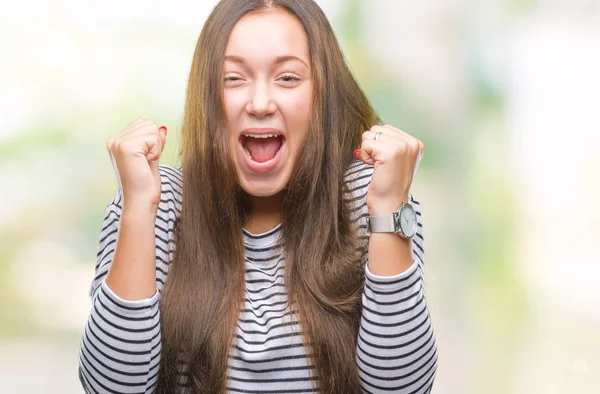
(395, 156)
(135, 153)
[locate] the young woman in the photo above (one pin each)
(272, 260)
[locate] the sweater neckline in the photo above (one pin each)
(267, 238)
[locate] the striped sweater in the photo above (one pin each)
(396, 349)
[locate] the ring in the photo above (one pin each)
(377, 135)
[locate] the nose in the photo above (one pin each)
(260, 102)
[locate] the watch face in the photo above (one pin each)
(408, 220)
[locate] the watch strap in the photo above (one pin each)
(382, 224)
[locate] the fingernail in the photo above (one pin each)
(357, 152)
(162, 128)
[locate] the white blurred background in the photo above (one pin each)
(504, 93)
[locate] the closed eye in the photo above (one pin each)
(289, 78)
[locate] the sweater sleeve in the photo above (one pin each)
(120, 348)
(396, 348)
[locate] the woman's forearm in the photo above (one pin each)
(132, 275)
(389, 254)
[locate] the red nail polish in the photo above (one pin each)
(162, 128)
(357, 152)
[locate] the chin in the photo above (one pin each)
(263, 187)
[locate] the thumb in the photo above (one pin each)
(417, 163)
(154, 168)
(365, 154)
(155, 145)
(162, 131)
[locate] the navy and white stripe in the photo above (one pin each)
(396, 350)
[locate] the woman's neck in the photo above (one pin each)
(265, 214)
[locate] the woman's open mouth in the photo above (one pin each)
(262, 151)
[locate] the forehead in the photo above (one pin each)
(268, 34)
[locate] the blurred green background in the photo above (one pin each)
(504, 93)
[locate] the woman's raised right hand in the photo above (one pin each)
(135, 153)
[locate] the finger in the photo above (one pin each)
(115, 170)
(370, 135)
(146, 142)
(419, 157)
(144, 124)
(392, 131)
(156, 144)
(147, 133)
(396, 130)
(419, 146)
(368, 151)
(162, 130)
(138, 120)
(133, 125)
(389, 130)
(139, 132)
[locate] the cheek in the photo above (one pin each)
(303, 110)
(298, 114)
(232, 103)
(302, 114)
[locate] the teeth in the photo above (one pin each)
(248, 153)
(260, 135)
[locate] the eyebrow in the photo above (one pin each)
(278, 59)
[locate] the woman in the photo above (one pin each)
(284, 272)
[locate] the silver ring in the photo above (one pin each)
(377, 135)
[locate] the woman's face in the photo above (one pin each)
(268, 94)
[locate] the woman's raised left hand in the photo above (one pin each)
(395, 156)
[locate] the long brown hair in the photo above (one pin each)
(204, 292)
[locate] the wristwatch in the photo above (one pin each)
(403, 222)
